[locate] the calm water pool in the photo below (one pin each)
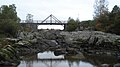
(48, 59)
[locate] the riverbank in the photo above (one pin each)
(67, 43)
(90, 42)
(8, 54)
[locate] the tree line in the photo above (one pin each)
(9, 21)
(103, 20)
(106, 21)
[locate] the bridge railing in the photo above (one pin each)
(41, 21)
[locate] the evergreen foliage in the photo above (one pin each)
(8, 20)
(72, 24)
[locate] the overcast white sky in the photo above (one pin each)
(62, 9)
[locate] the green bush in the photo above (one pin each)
(72, 25)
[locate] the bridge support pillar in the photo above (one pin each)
(65, 26)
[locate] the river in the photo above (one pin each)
(48, 59)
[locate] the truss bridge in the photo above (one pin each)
(50, 20)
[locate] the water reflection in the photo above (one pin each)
(98, 60)
(48, 59)
(48, 55)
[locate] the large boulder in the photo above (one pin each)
(58, 52)
(49, 34)
(93, 37)
(12, 40)
(51, 43)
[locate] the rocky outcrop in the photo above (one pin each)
(8, 56)
(92, 37)
(68, 43)
(84, 41)
(94, 42)
(61, 42)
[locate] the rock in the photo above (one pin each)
(71, 51)
(117, 65)
(117, 42)
(9, 64)
(21, 35)
(51, 43)
(50, 34)
(84, 40)
(33, 41)
(26, 35)
(77, 56)
(59, 52)
(30, 36)
(22, 43)
(105, 65)
(108, 53)
(118, 58)
(93, 40)
(13, 40)
(60, 40)
(54, 41)
(96, 36)
(0, 44)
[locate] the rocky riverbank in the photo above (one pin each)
(90, 42)
(93, 42)
(62, 42)
(8, 54)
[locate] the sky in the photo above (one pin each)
(62, 9)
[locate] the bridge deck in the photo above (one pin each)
(46, 23)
